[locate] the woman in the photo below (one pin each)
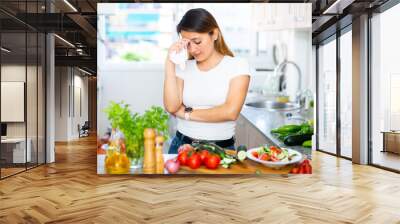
(207, 96)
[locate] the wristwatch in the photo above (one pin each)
(188, 110)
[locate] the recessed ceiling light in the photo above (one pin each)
(64, 40)
(86, 72)
(70, 5)
(338, 6)
(5, 49)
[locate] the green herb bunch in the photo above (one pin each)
(133, 125)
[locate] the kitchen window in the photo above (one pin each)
(327, 96)
(346, 93)
(385, 89)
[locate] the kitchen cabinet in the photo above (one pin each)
(266, 16)
(247, 134)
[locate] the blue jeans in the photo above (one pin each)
(177, 142)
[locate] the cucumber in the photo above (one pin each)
(307, 144)
(296, 139)
(241, 152)
(290, 128)
(213, 148)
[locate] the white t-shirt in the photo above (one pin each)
(203, 90)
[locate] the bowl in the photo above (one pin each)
(279, 164)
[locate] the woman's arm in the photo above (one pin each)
(173, 87)
(230, 110)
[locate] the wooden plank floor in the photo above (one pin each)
(69, 191)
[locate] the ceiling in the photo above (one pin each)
(77, 22)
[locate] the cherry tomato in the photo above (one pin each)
(295, 170)
(255, 154)
(203, 156)
(194, 161)
(212, 161)
(307, 168)
(274, 159)
(183, 158)
(275, 149)
(265, 157)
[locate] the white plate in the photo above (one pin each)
(295, 159)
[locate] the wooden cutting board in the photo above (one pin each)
(246, 167)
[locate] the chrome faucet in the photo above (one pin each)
(281, 75)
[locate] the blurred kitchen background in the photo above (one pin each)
(133, 40)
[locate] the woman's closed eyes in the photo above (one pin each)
(195, 42)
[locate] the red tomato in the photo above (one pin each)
(295, 170)
(307, 168)
(264, 157)
(183, 158)
(203, 156)
(275, 149)
(194, 161)
(274, 159)
(302, 170)
(212, 161)
(255, 154)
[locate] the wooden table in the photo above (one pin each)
(246, 167)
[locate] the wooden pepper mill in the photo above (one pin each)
(149, 163)
(159, 154)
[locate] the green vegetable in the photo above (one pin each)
(306, 129)
(133, 125)
(307, 144)
(296, 139)
(241, 152)
(226, 159)
(213, 148)
(226, 162)
(293, 134)
(290, 128)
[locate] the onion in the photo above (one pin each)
(185, 147)
(172, 165)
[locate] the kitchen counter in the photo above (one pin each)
(246, 167)
(264, 121)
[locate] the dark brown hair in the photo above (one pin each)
(201, 21)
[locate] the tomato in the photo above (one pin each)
(194, 161)
(307, 168)
(212, 161)
(295, 170)
(302, 169)
(274, 159)
(275, 149)
(203, 156)
(183, 158)
(265, 157)
(255, 154)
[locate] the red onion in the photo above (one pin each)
(185, 147)
(172, 165)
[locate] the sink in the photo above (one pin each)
(274, 106)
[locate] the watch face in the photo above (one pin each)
(188, 109)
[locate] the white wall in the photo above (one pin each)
(68, 81)
(140, 88)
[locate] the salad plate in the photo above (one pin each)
(274, 157)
